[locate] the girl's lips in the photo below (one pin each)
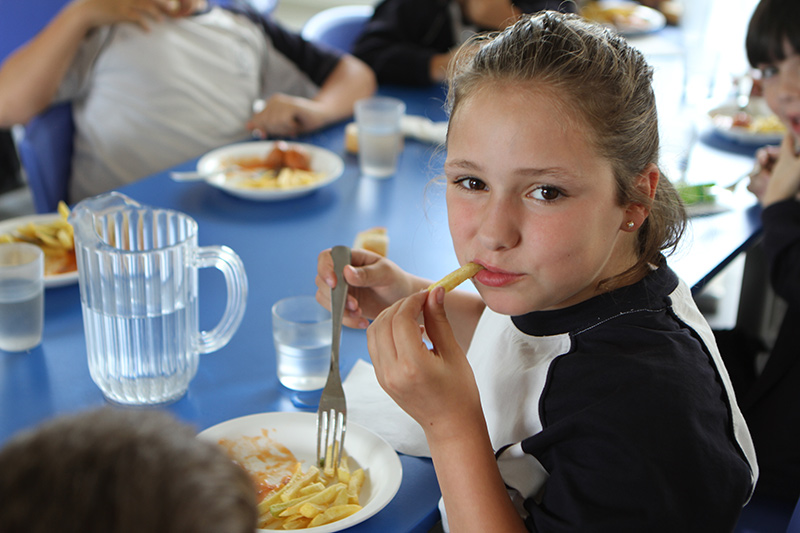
(495, 278)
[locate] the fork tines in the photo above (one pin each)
(331, 429)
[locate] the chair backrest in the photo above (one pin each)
(337, 27)
(794, 522)
(45, 151)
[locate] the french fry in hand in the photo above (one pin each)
(456, 277)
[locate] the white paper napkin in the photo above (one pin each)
(424, 129)
(370, 406)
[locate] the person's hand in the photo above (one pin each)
(759, 178)
(288, 116)
(785, 180)
(435, 386)
(140, 12)
(375, 283)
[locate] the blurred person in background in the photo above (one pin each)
(770, 400)
(121, 471)
(411, 42)
(156, 82)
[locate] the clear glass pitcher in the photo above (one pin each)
(137, 269)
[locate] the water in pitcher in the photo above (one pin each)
(142, 359)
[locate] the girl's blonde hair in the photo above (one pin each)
(605, 83)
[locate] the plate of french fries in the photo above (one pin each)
(53, 234)
(278, 450)
(270, 170)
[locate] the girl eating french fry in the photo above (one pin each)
(580, 389)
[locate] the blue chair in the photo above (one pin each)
(337, 27)
(45, 151)
(794, 522)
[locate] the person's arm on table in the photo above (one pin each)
(30, 77)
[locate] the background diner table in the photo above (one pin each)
(279, 243)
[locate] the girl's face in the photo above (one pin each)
(781, 82)
(529, 199)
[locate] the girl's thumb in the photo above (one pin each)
(436, 324)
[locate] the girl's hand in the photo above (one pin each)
(375, 283)
(785, 180)
(435, 386)
(765, 160)
(288, 116)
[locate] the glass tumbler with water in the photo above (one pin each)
(138, 275)
(380, 138)
(302, 331)
(21, 296)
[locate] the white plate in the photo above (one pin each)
(323, 161)
(648, 20)
(297, 431)
(722, 116)
(11, 224)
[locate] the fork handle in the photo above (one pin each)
(341, 257)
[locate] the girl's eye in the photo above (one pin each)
(546, 193)
(470, 183)
(768, 71)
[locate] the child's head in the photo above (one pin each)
(773, 46)
(595, 87)
(115, 471)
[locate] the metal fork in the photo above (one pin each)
(332, 411)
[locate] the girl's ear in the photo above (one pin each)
(646, 184)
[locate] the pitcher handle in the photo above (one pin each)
(226, 261)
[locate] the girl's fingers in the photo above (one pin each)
(436, 324)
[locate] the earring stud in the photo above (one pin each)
(630, 224)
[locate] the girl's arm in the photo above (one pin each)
(437, 388)
(30, 77)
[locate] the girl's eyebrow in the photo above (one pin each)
(468, 165)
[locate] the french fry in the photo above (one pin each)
(456, 277)
(355, 484)
(297, 483)
(333, 514)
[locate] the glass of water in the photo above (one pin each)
(380, 138)
(21, 296)
(301, 329)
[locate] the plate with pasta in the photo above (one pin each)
(270, 170)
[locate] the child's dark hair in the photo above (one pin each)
(600, 80)
(773, 23)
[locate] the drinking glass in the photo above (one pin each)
(380, 138)
(301, 329)
(21, 296)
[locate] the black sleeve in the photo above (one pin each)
(402, 36)
(315, 61)
(782, 246)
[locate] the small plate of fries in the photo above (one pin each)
(279, 452)
(247, 170)
(53, 234)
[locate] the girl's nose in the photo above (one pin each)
(499, 228)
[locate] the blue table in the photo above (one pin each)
(279, 243)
